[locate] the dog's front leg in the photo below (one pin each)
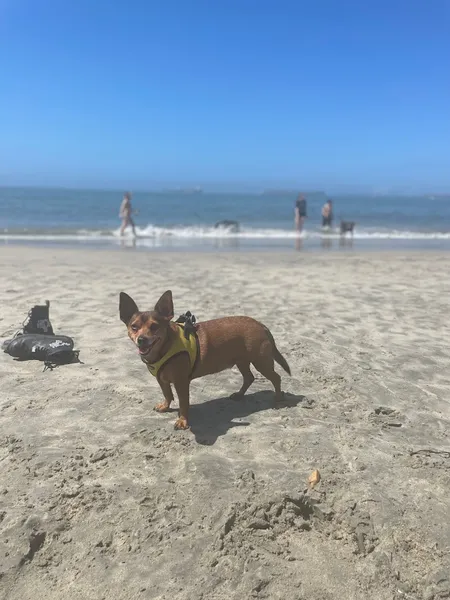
(168, 397)
(182, 388)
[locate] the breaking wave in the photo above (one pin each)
(153, 232)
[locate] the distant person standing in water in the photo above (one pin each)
(125, 214)
(300, 212)
(327, 214)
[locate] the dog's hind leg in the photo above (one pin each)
(248, 376)
(265, 365)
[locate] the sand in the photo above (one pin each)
(101, 498)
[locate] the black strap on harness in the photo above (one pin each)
(189, 321)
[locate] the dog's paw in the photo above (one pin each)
(162, 407)
(181, 423)
(236, 396)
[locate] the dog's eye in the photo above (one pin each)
(134, 328)
(153, 328)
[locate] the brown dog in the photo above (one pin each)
(176, 357)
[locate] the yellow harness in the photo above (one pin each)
(180, 345)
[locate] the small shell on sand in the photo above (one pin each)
(314, 478)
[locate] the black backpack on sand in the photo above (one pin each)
(38, 342)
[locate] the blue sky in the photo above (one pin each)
(312, 94)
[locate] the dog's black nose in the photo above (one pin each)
(141, 340)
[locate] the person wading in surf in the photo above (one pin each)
(125, 214)
(300, 212)
(327, 214)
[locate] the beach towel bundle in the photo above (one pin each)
(36, 341)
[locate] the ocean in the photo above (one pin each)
(185, 220)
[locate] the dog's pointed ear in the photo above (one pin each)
(164, 306)
(127, 308)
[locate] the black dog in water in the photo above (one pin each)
(347, 226)
(233, 226)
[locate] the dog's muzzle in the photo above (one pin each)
(145, 344)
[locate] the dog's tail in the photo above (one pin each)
(276, 353)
